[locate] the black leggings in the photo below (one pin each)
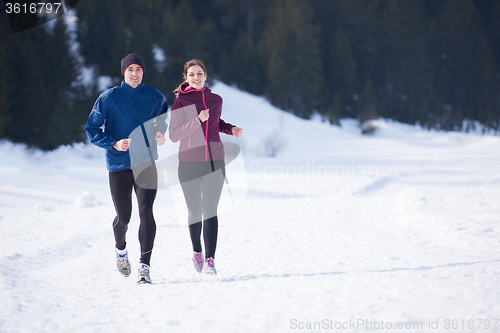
(202, 184)
(121, 184)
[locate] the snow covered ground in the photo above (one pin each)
(339, 232)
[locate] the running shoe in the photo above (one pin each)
(122, 263)
(209, 267)
(143, 274)
(198, 261)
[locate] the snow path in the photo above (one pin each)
(320, 236)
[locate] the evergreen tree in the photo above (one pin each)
(493, 32)
(242, 62)
(367, 102)
(363, 22)
(469, 67)
(244, 66)
(186, 37)
(340, 70)
(4, 79)
(27, 91)
(408, 72)
(63, 122)
(291, 42)
(437, 61)
(102, 35)
(40, 74)
(433, 62)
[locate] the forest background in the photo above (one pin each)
(435, 63)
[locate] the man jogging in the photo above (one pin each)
(116, 113)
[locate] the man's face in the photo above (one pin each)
(133, 75)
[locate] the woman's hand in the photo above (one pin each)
(122, 145)
(204, 115)
(160, 138)
(237, 132)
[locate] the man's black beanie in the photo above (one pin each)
(132, 59)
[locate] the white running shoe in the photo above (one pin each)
(143, 274)
(209, 267)
(122, 263)
(198, 261)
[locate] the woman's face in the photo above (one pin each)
(196, 77)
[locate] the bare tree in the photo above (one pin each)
(274, 144)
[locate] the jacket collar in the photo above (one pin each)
(186, 89)
(128, 89)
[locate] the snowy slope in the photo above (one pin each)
(338, 231)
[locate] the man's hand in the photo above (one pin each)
(160, 138)
(122, 145)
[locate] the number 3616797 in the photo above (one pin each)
(471, 324)
(32, 8)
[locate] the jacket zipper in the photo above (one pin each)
(206, 126)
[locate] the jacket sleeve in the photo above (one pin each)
(183, 121)
(95, 125)
(160, 122)
(225, 127)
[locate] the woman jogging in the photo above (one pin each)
(116, 113)
(196, 123)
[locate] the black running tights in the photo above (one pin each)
(202, 184)
(121, 184)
